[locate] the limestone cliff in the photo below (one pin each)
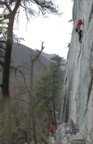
(78, 84)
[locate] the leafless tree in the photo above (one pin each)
(31, 100)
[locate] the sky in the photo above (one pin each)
(55, 31)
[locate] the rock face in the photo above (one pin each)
(78, 85)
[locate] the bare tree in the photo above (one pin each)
(31, 100)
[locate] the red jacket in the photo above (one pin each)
(79, 23)
(51, 130)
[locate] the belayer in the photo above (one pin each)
(79, 29)
(51, 130)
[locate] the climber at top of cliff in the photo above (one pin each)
(79, 29)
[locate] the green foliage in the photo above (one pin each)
(49, 80)
(1, 132)
(55, 63)
(3, 29)
(46, 88)
(15, 128)
(1, 117)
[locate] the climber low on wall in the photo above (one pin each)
(79, 29)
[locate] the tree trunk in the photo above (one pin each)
(29, 122)
(6, 73)
(31, 109)
(54, 115)
(32, 100)
(5, 88)
(7, 120)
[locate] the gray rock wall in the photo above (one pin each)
(78, 89)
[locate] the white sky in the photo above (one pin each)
(55, 31)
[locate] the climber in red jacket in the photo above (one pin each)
(79, 28)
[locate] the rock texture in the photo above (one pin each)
(78, 89)
(66, 135)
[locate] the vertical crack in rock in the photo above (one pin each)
(91, 13)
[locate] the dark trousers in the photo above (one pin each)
(80, 35)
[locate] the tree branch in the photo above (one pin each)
(21, 100)
(38, 53)
(16, 6)
(46, 5)
(17, 69)
(2, 41)
(7, 6)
